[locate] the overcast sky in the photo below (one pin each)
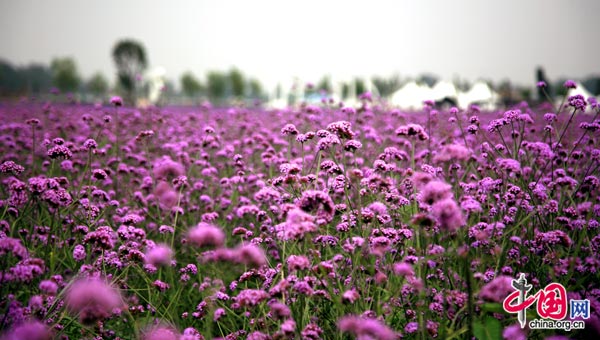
(276, 40)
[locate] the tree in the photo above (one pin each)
(130, 59)
(324, 84)
(256, 90)
(236, 79)
(97, 85)
(387, 86)
(345, 91)
(360, 87)
(541, 77)
(10, 79)
(217, 85)
(64, 74)
(428, 79)
(190, 84)
(37, 78)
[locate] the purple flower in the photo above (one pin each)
(92, 300)
(279, 310)
(251, 297)
(514, 332)
(159, 255)
(366, 328)
(168, 169)
(541, 84)
(497, 289)
(11, 167)
(79, 253)
(116, 101)
(578, 102)
(289, 130)
(297, 262)
(319, 202)
(205, 234)
(350, 296)
(60, 151)
(31, 330)
(403, 269)
(161, 333)
(296, 225)
(13, 246)
(570, 84)
(250, 255)
(311, 332)
(48, 287)
(435, 191)
(342, 129)
(448, 215)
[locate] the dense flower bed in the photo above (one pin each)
(313, 223)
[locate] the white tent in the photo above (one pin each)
(443, 89)
(156, 82)
(480, 93)
(411, 96)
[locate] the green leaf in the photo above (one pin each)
(493, 307)
(489, 329)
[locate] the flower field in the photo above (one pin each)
(319, 222)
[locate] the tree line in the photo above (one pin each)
(131, 62)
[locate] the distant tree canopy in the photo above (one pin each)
(30, 79)
(64, 74)
(360, 87)
(217, 85)
(325, 85)
(190, 85)
(387, 86)
(255, 89)
(130, 59)
(97, 85)
(236, 80)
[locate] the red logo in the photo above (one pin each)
(551, 301)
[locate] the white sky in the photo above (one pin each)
(276, 40)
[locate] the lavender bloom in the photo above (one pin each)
(448, 215)
(116, 101)
(159, 255)
(366, 328)
(60, 151)
(92, 300)
(435, 191)
(319, 201)
(403, 269)
(289, 129)
(297, 262)
(205, 234)
(570, 84)
(497, 289)
(578, 102)
(13, 246)
(79, 253)
(31, 330)
(11, 167)
(297, 224)
(251, 297)
(48, 287)
(514, 332)
(452, 152)
(342, 129)
(168, 169)
(161, 333)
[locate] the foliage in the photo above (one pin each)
(131, 61)
(64, 74)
